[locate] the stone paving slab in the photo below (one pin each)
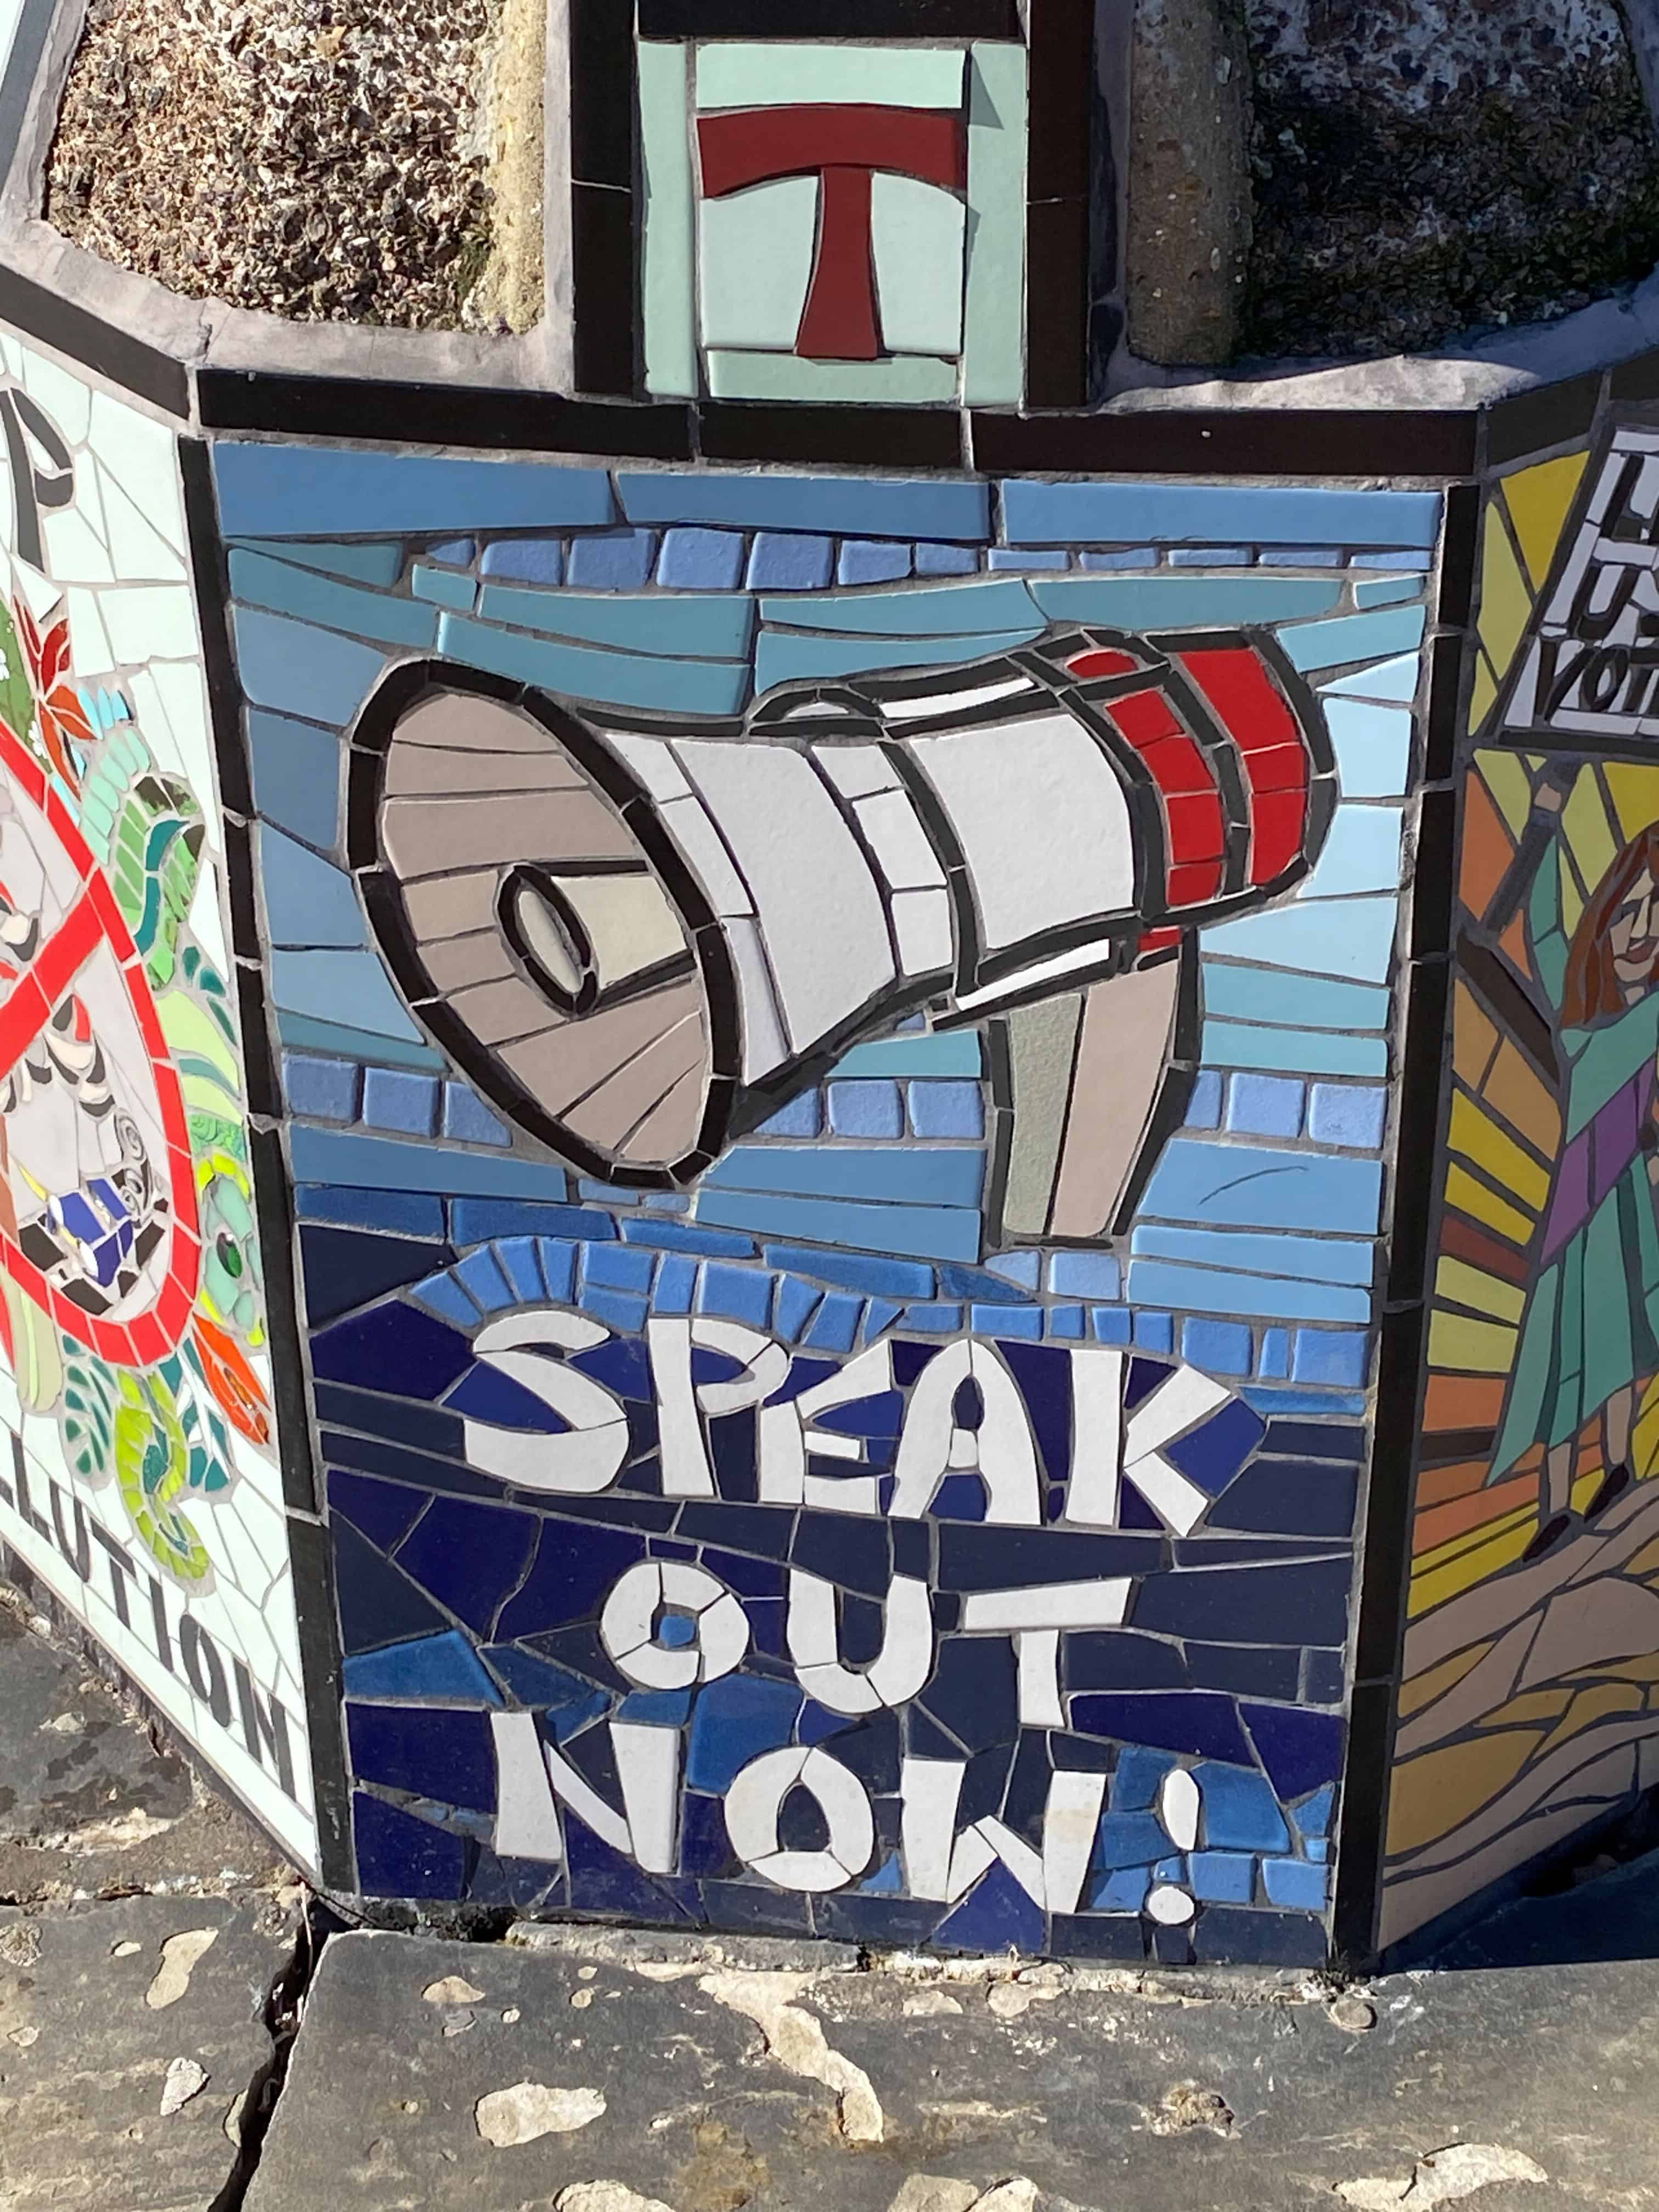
(89, 1802)
(704, 2078)
(96, 2004)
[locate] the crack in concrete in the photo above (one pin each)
(248, 2121)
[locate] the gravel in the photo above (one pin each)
(321, 159)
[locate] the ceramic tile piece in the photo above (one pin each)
(316, 491)
(755, 253)
(668, 312)
(1215, 514)
(779, 73)
(993, 365)
(694, 626)
(864, 506)
(900, 380)
(918, 237)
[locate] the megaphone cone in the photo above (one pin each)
(640, 936)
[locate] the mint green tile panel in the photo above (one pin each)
(670, 347)
(995, 318)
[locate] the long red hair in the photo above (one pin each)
(1592, 992)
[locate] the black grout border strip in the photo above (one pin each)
(100, 346)
(478, 417)
(1059, 95)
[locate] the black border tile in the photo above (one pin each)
(469, 415)
(1433, 877)
(1056, 303)
(1360, 1815)
(1417, 1080)
(1634, 379)
(1440, 733)
(96, 345)
(1059, 100)
(1459, 539)
(603, 256)
(1534, 421)
(601, 94)
(1226, 442)
(884, 437)
(311, 1552)
(830, 19)
(1388, 1521)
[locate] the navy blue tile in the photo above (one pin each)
(1212, 1454)
(574, 1570)
(484, 1394)
(852, 1552)
(1326, 1678)
(395, 1348)
(602, 1881)
(468, 1556)
(1118, 1936)
(429, 1751)
(757, 1905)
(1197, 1720)
(384, 1511)
(996, 1558)
(1254, 1674)
(1120, 1659)
(1299, 1749)
(529, 1885)
(400, 1856)
(1289, 1496)
(377, 1605)
(765, 1530)
(343, 1270)
(887, 1923)
(1173, 1946)
(705, 1847)
(995, 1916)
(1243, 1938)
(1335, 1440)
(972, 1692)
(1250, 1605)
(570, 1700)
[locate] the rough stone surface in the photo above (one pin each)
(1161, 2092)
(89, 1802)
(1189, 191)
(108, 2104)
(1422, 167)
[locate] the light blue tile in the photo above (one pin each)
(947, 1110)
(1345, 1260)
(932, 1175)
(942, 1052)
(702, 560)
(1204, 1106)
(1223, 1877)
(1385, 561)
(1007, 1321)
(1362, 854)
(297, 775)
(1387, 590)
(1296, 1001)
(1167, 1282)
(346, 987)
(558, 1266)
(1183, 602)
(796, 1301)
(1389, 679)
(621, 1311)
(855, 1271)
(1313, 1817)
(395, 1098)
(1154, 1332)
(1023, 1269)
(789, 561)
(1111, 1324)
(258, 581)
(366, 563)
(469, 1120)
(676, 1280)
(1347, 1114)
(307, 901)
(932, 1320)
(1306, 556)
(612, 560)
(1121, 557)
(784, 656)
(1355, 637)
(1373, 748)
(301, 670)
(618, 680)
(1064, 1321)
(738, 1293)
(1353, 938)
(480, 1276)
(453, 552)
(1274, 1361)
(924, 1232)
(945, 561)
(1210, 556)
(846, 507)
(427, 1670)
(1029, 560)
(963, 610)
(1084, 1275)
(522, 1268)
(1289, 1883)
(618, 1266)
(800, 1117)
(1245, 1186)
(699, 626)
(1264, 1106)
(866, 1109)
(444, 587)
(1306, 1052)
(834, 1326)
(279, 490)
(1328, 1355)
(872, 561)
(441, 1297)
(1220, 1347)
(386, 1163)
(309, 1033)
(326, 1089)
(1209, 515)
(525, 560)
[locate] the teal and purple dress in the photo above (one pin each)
(1591, 1321)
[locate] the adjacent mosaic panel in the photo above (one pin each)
(1532, 1650)
(835, 1041)
(141, 1478)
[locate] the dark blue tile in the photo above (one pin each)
(1212, 1454)
(735, 1720)
(384, 1511)
(569, 1700)
(1299, 1749)
(602, 1881)
(924, 1739)
(887, 1923)
(529, 1885)
(1232, 1934)
(1120, 1659)
(998, 1557)
(1326, 1679)
(1246, 1673)
(484, 1394)
(1335, 1440)
(624, 1367)
(1045, 1383)
(748, 1577)
(1173, 1946)
(705, 1847)
(447, 1474)
(395, 1348)
(400, 1856)
(972, 1691)
(574, 1570)
(757, 1905)
(852, 1552)
(685, 1236)
(1250, 1605)
(1118, 1938)
(377, 1604)
(1289, 1496)
(429, 1751)
(995, 1916)
(1199, 1722)
(763, 1530)
(469, 1556)
(436, 1669)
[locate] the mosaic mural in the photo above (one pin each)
(835, 1039)
(141, 1479)
(1528, 1668)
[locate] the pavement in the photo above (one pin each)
(183, 2029)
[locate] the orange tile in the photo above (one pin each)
(1514, 942)
(1521, 1098)
(1474, 1036)
(1463, 1401)
(1438, 1486)
(1456, 1517)
(1487, 848)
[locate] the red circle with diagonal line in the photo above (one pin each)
(91, 934)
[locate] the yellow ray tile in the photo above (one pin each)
(1500, 1551)
(1473, 1199)
(1433, 1793)
(1519, 1094)
(1584, 821)
(1505, 602)
(1478, 1137)
(1464, 1285)
(1507, 780)
(1539, 500)
(1635, 796)
(1474, 1036)
(1482, 692)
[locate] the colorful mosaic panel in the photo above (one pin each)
(142, 1482)
(1530, 1654)
(836, 1036)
